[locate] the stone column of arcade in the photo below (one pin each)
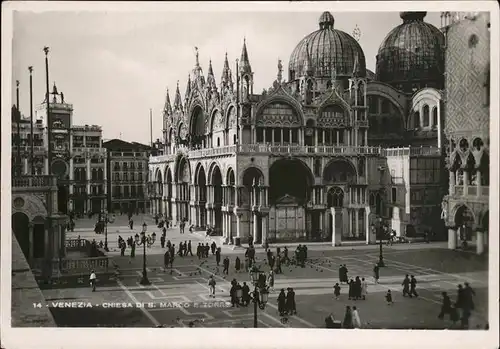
(480, 240)
(89, 207)
(265, 224)
(368, 235)
(452, 238)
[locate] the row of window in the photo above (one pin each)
(125, 165)
(94, 190)
(128, 191)
(426, 121)
(131, 176)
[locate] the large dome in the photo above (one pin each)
(412, 55)
(327, 47)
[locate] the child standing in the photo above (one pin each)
(336, 291)
(388, 297)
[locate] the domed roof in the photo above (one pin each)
(412, 55)
(324, 48)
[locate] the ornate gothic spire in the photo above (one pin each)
(244, 61)
(210, 76)
(226, 73)
(178, 99)
(188, 87)
(168, 107)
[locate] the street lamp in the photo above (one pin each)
(144, 280)
(380, 256)
(105, 217)
(260, 294)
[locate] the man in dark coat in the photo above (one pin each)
(166, 259)
(198, 250)
(269, 256)
(282, 302)
(245, 298)
(413, 286)
(446, 306)
(213, 246)
(237, 264)
(162, 241)
(226, 265)
(271, 261)
(217, 256)
(189, 248)
(278, 265)
(290, 302)
(406, 286)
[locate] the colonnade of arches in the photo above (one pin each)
(469, 225)
(258, 209)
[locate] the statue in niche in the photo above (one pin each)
(309, 92)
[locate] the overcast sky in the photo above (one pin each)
(113, 67)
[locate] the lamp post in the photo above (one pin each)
(144, 280)
(380, 231)
(260, 294)
(106, 220)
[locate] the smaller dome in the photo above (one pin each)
(326, 20)
(412, 16)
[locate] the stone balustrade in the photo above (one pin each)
(34, 181)
(412, 151)
(471, 190)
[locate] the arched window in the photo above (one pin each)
(434, 117)
(218, 141)
(416, 119)
(234, 139)
(426, 121)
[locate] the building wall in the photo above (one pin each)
(465, 209)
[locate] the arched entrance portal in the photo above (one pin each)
(290, 183)
(335, 203)
(159, 186)
(201, 182)
(20, 226)
(169, 194)
(183, 175)
(464, 220)
(253, 180)
(217, 190)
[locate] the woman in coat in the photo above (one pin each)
(356, 321)
(347, 323)
(281, 302)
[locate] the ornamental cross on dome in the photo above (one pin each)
(356, 33)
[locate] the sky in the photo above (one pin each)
(114, 66)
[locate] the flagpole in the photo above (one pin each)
(30, 68)
(19, 162)
(49, 121)
(151, 126)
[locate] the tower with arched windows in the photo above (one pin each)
(465, 208)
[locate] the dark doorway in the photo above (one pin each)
(20, 226)
(62, 199)
(290, 177)
(38, 240)
(217, 183)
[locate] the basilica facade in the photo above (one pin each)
(330, 154)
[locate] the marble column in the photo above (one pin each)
(367, 226)
(224, 222)
(480, 238)
(265, 225)
(452, 238)
(478, 184)
(335, 241)
(229, 228)
(466, 182)
(31, 241)
(255, 228)
(321, 220)
(356, 222)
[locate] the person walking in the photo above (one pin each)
(376, 273)
(357, 288)
(413, 286)
(166, 259)
(213, 247)
(356, 321)
(282, 302)
(226, 265)
(388, 297)
(347, 323)
(364, 288)
(270, 280)
(93, 280)
(351, 289)
(162, 241)
(406, 286)
(217, 257)
(189, 250)
(290, 302)
(445, 306)
(237, 264)
(211, 285)
(336, 291)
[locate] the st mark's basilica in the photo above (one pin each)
(335, 151)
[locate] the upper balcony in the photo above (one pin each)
(33, 183)
(412, 151)
(267, 149)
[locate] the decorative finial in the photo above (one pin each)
(280, 70)
(356, 33)
(30, 68)
(17, 83)
(46, 50)
(197, 56)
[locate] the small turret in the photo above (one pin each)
(178, 99)
(168, 107)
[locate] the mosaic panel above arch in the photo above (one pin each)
(278, 114)
(217, 121)
(333, 116)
